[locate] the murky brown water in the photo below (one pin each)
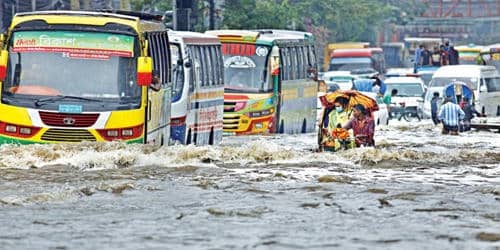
(416, 190)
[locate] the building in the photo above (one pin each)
(460, 21)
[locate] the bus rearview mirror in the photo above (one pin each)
(4, 55)
(144, 71)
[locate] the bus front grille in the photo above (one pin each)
(231, 121)
(67, 135)
(68, 120)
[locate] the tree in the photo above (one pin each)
(151, 5)
(261, 14)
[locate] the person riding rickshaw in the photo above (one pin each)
(337, 114)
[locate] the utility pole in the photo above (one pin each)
(211, 17)
(182, 14)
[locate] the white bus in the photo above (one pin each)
(198, 88)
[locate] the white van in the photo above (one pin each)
(484, 80)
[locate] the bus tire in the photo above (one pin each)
(188, 138)
(211, 137)
(304, 127)
(281, 130)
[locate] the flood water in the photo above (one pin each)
(417, 190)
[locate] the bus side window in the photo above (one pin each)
(295, 63)
(192, 78)
(282, 64)
(312, 56)
(158, 50)
(214, 65)
(288, 64)
(303, 64)
(209, 65)
(205, 65)
(198, 67)
(220, 66)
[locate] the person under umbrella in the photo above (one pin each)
(362, 125)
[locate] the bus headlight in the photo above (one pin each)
(26, 131)
(127, 132)
(112, 133)
(10, 128)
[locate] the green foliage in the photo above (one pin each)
(258, 14)
(151, 5)
(330, 20)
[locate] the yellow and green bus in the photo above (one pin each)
(72, 76)
(468, 54)
(269, 81)
(490, 55)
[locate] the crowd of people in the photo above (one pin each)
(445, 54)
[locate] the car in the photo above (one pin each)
(343, 79)
(410, 94)
(381, 116)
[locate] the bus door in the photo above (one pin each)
(180, 99)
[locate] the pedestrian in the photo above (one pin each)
(436, 57)
(388, 100)
(425, 57)
(362, 126)
(469, 111)
(378, 85)
(434, 108)
(418, 58)
(450, 115)
(444, 55)
(447, 45)
(453, 55)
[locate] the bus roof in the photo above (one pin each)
(262, 36)
(242, 36)
(422, 39)
(491, 48)
(348, 45)
(462, 70)
(138, 21)
(367, 52)
(189, 37)
(469, 48)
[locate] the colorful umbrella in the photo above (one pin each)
(354, 97)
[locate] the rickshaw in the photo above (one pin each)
(338, 138)
(458, 91)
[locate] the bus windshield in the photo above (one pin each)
(245, 68)
(350, 63)
(82, 65)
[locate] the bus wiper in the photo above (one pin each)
(40, 102)
(17, 71)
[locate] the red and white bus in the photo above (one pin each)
(363, 62)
